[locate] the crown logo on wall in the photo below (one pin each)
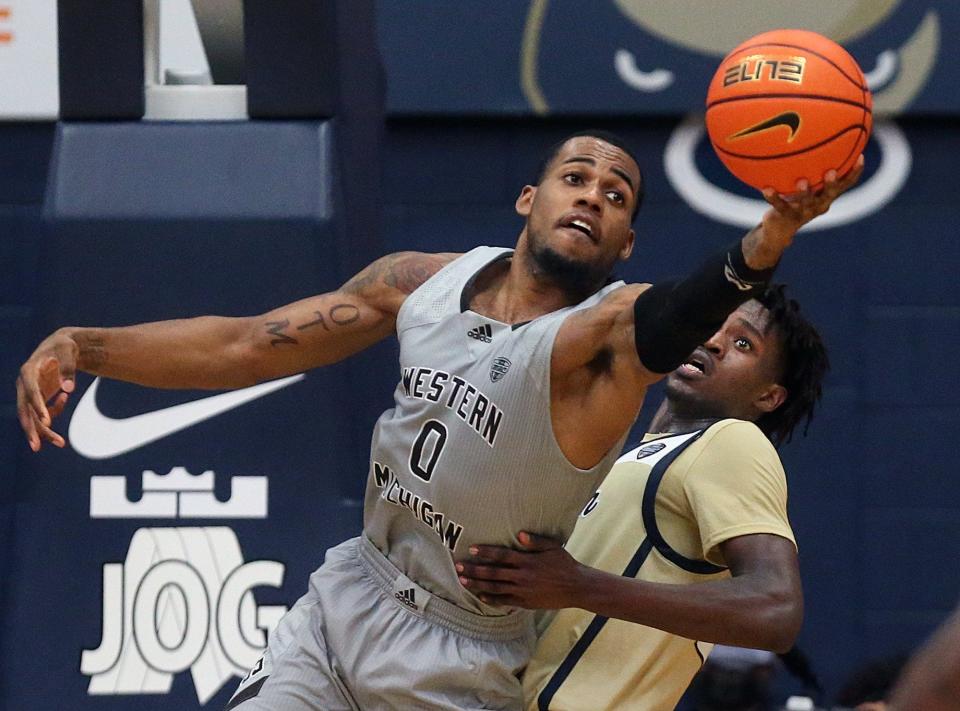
(178, 494)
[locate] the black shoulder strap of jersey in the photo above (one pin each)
(702, 567)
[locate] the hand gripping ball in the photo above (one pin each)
(786, 105)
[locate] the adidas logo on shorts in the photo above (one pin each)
(482, 333)
(408, 597)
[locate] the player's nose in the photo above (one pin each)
(714, 345)
(591, 197)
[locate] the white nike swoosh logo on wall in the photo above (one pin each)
(96, 436)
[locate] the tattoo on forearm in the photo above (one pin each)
(318, 321)
(343, 314)
(275, 328)
(93, 351)
(339, 315)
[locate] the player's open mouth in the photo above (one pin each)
(693, 366)
(581, 224)
(697, 364)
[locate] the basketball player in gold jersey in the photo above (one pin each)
(686, 543)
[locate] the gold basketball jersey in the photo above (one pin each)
(659, 516)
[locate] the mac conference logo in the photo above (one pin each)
(182, 599)
(648, 450)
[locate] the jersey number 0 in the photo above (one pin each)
(426, 449)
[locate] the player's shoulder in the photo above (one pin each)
(397, 275)
(737, 434)
(624, 294)
(733, 441)
(614, 307)
(407, 271)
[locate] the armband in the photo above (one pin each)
(672, 318)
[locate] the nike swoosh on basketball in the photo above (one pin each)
(96, 436)
(790, 119)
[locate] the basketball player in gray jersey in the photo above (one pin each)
(504, 355)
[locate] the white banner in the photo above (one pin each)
(29, 86)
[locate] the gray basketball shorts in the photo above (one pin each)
(366, 637)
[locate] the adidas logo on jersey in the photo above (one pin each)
(408, 597)
(482, 333)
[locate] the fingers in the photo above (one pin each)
(477, 572)
(50, 436)
(494, 554)
(32, 410)
(68, 368)
(37, 432)
(775, 199)
(31, 390)
(530, 542)
(535, 543)
(58, 404)
(25, 414)
(488, 589)
(853, 175)
(833, 185)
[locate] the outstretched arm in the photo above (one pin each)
(760, 606)
(219, 352)
(667, 321)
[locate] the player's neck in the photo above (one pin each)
(511, 292)
(668, 420)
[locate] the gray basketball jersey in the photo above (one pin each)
(468, 454)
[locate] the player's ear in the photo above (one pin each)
(525, 200)
(771, 398)
(627, 248)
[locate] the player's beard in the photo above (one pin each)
(576, 279)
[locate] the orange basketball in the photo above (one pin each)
(785, 105)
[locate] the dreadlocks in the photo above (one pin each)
(804, 364)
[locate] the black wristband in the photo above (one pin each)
(673, 318)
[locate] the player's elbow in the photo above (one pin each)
(780, 621)
(248, 355)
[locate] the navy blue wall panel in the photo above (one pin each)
(902, 338)
(910, 533)
(912, 455)
(25, 154)
(18, 252)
